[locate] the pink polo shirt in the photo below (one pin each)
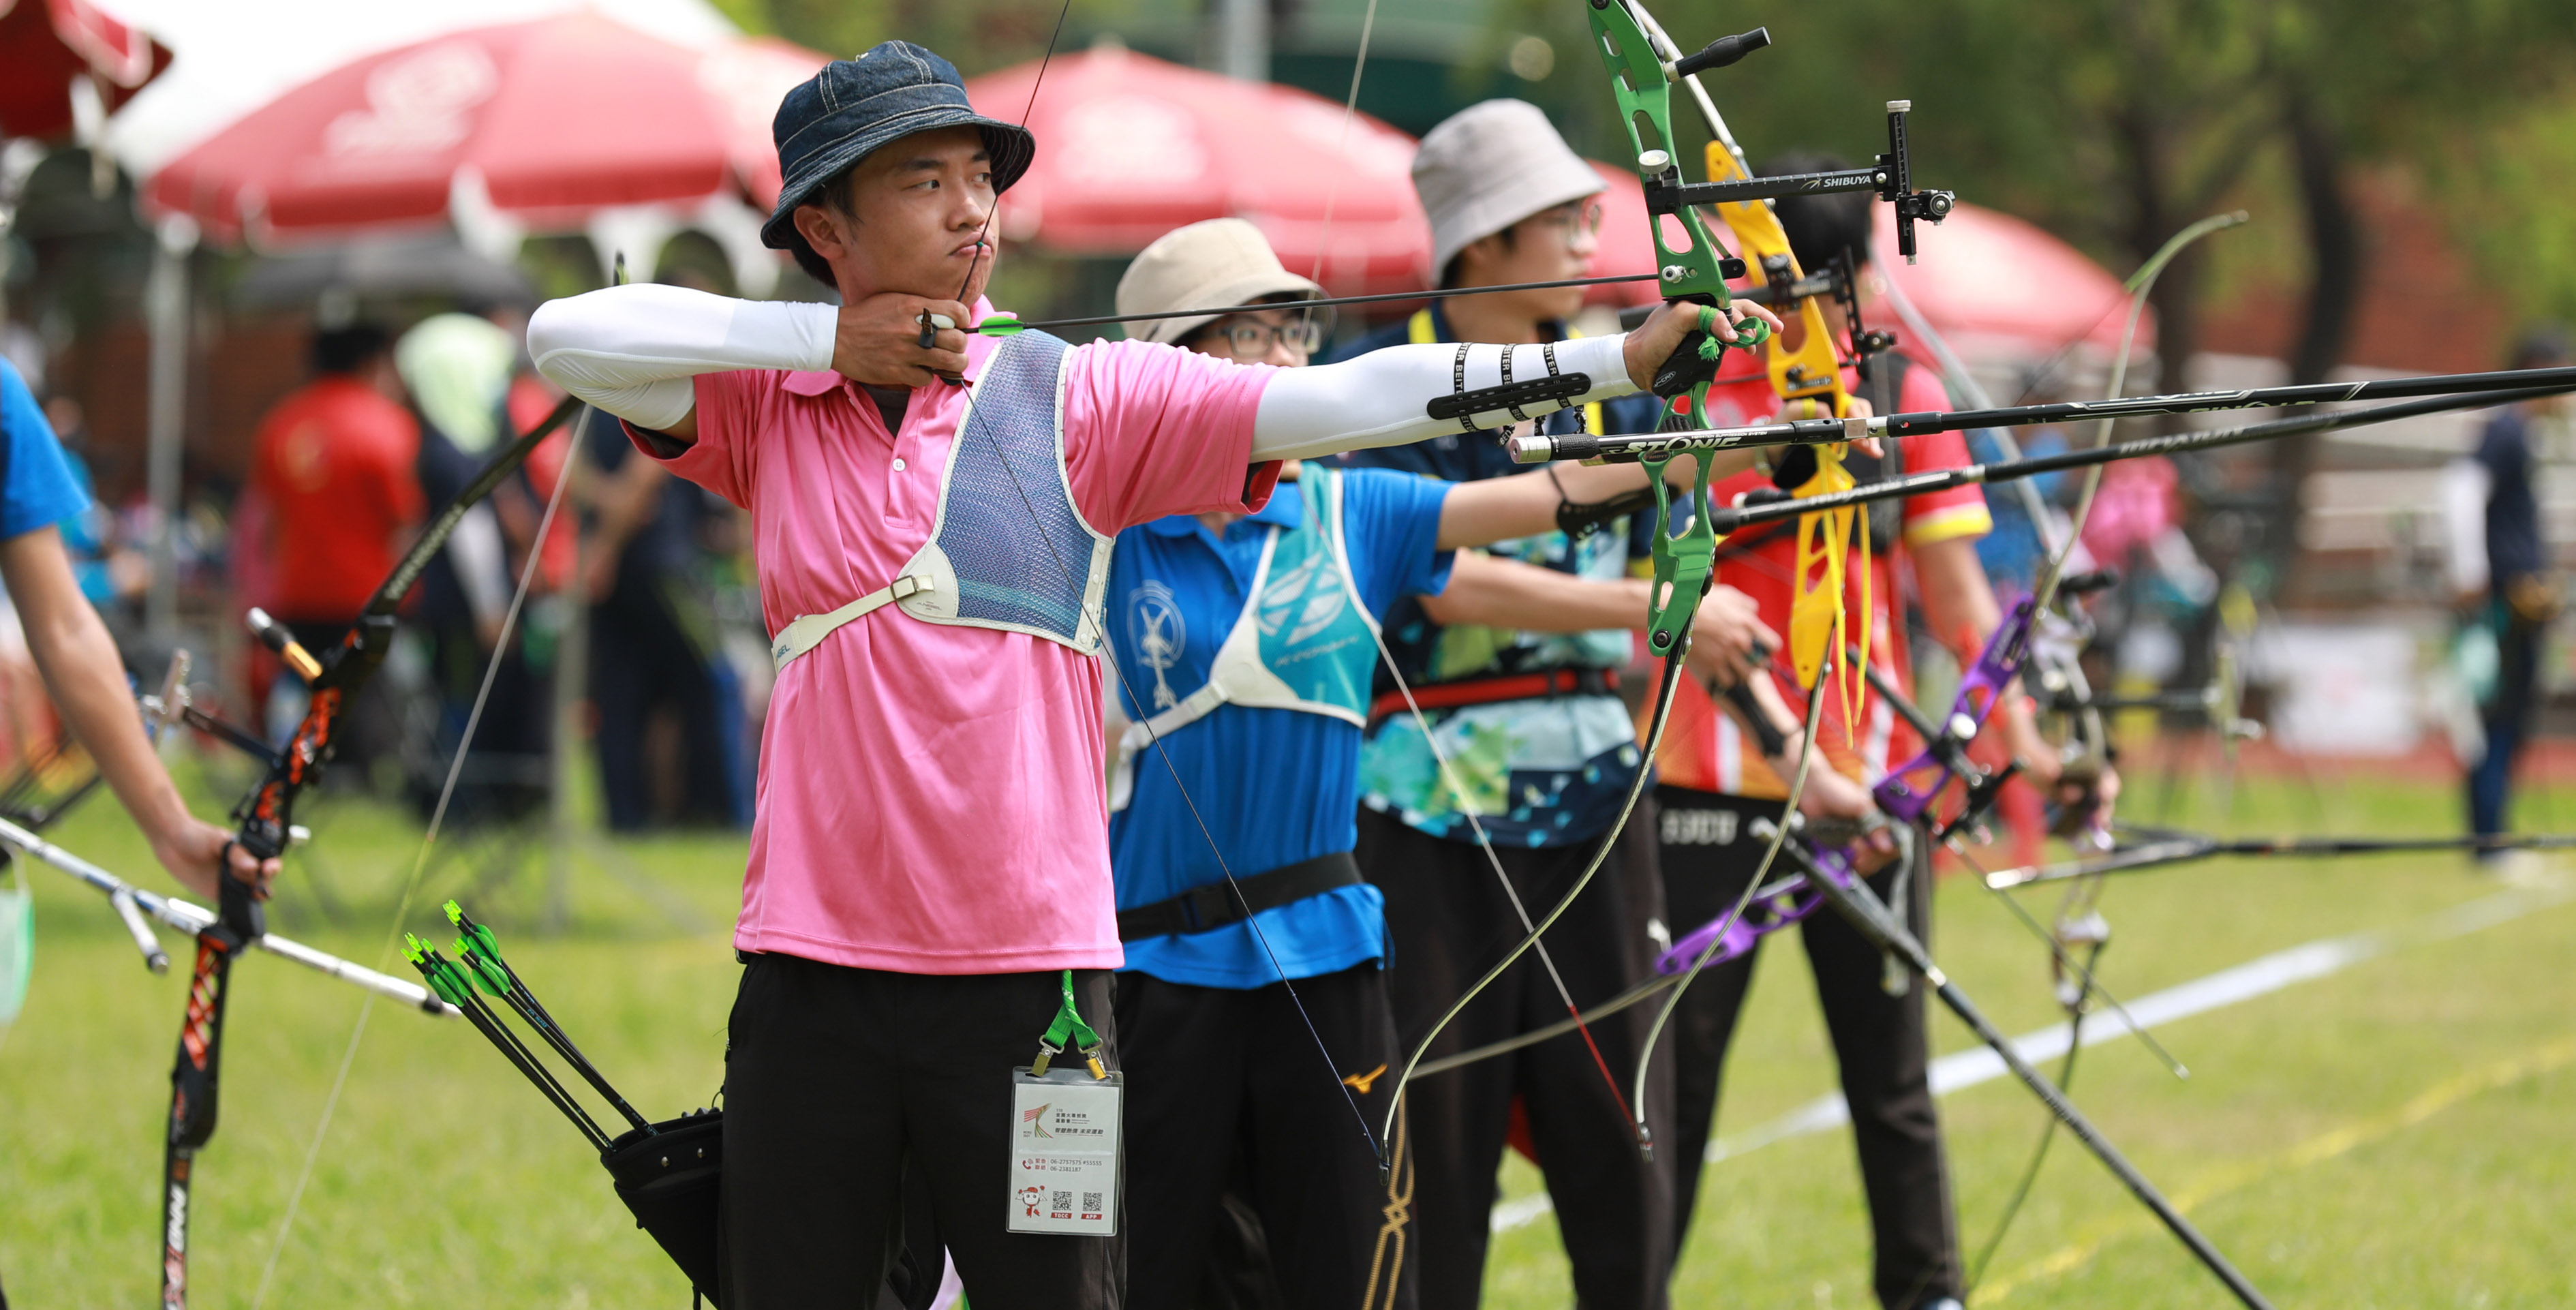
(931, 797)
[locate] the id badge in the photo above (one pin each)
(1064, 1151)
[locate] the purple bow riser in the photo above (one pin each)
(1762, 916)
(1909, 790)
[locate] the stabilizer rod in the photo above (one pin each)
(1871, 916)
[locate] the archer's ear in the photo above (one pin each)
(822, 229)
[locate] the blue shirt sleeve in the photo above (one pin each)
(1392, 524)
(37, 489)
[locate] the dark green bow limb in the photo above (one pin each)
(1685, 562)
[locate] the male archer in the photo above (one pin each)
(1517, 670)
(1713, 785)
(1250, 646)
(933, 526)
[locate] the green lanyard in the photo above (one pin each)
(1068, 1024)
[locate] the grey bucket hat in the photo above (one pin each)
(1490, 165)
(854, 107)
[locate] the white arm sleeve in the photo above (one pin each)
(631, 350)
(2466, 487)
(1378, 398)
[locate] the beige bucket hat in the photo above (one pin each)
(1490, 165)
(1222, 261)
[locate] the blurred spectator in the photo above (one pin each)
(110, 572)
(457, 368)
(667, 704)
(521, 505)
(335, 463)
(2501, 576)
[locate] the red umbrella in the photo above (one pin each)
(547, 122)
(45, 44)
(1997, 286)
(1130, 147)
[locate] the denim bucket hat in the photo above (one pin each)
(854, 107)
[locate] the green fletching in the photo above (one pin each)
(478, 940)
(486, 970)
(480, 951)
(1000, 326)
(448, 981)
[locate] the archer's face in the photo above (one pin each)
(917, 220)
(1551, 245)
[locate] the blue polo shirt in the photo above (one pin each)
(37, 488)
(1273, 787)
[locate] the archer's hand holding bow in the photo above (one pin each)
(1655, 340)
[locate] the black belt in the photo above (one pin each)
(1215, 905)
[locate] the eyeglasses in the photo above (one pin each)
(1247, 340)
(1569, 220)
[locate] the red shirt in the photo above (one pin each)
(530, 402)
(335, 460)
(1702, 748)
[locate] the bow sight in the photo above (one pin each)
(1890, 178)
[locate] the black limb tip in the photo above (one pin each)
(1723, 51)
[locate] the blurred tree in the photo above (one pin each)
(977, 35)
(2117, 122)
(2505, 189)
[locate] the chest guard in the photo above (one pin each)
(1304, 640)
(1008, 549)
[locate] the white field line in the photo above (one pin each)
(2244, 982)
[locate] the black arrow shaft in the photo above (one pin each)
(2498, 387)
(1878, 923)
(1733, 518)
(2187, 850)
(1384, 298)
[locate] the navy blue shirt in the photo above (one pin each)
(2514, 547)
(1548, 772)
(1273, 786)
(37, 488)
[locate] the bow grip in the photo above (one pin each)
(239, 916)
(1693, 364)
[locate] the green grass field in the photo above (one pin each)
(2383, 1136)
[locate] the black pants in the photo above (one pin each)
(2507, 719)
(1223, 1075)
(836, 1078)
(1451, 922)
(1879, 1040)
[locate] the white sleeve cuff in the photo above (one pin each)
(1379, 398)
(631, 350)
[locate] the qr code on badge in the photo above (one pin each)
(1063, 1200)
(1091, 1201)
